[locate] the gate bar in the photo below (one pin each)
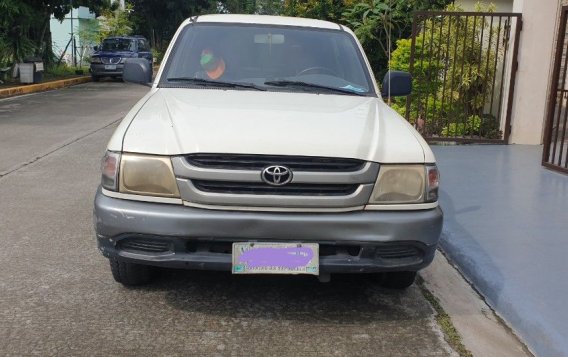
(553, 99)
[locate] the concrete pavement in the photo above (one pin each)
(506, 225)
(34, 125)
(58, 296)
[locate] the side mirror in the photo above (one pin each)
(96, 48)
(137, 70)
(399, 83)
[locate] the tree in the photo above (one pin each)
(158, 20)
(330, 10)
(14, 40)
(374, 20)
(116, 22)
(112, 22)
(261, 7)
(24, 26)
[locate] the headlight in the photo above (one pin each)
(398, 184)
(96, 60)
(147, 175)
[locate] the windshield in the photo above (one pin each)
(117, 44)
(272, 58)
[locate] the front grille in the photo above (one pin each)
(226, 247)
(145, 245)
(291, 189)
(110, 60)
(384, 254)
(332, 250)
(380, 251)
(259, 162)
(397, 252)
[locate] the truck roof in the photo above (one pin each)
(268, 20)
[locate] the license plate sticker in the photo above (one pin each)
(275, 258)
(110, 66)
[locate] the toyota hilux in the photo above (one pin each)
(264, 146)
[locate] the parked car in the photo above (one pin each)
(264, 146)
(108, 58)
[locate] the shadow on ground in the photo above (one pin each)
(347, 299)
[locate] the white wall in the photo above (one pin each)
(536, 53)
(502, 5)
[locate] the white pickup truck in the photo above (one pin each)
(264, 146)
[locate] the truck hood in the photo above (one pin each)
(174, 121)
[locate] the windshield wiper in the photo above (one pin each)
(287, 83)
(208, 82)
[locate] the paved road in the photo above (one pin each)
(57, 296)
(33, 126)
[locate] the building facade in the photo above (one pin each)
(62, 33)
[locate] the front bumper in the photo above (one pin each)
(100, 69)
(185, 237)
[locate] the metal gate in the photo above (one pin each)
(463, 66)
(555, 152)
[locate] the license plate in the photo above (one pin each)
(275, 258)
(110, 66)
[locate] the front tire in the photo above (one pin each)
(131, 274)
(95, 78)
(398, 280)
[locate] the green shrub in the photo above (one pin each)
(449, 77)
(474, 125)
(64, 70)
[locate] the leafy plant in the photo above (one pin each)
(64, 70)
(469, 127)
(15, 43)
(474, 126)
(330, 10)
(449, 75)
(114, 23)
(374, 20)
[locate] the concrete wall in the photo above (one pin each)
(536, 55)
(502, 5)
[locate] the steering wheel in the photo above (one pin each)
(318, 69)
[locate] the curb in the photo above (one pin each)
(41, 87)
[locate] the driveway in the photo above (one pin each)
(506, 227)
(58, 297)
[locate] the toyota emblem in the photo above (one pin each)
(276, 175)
